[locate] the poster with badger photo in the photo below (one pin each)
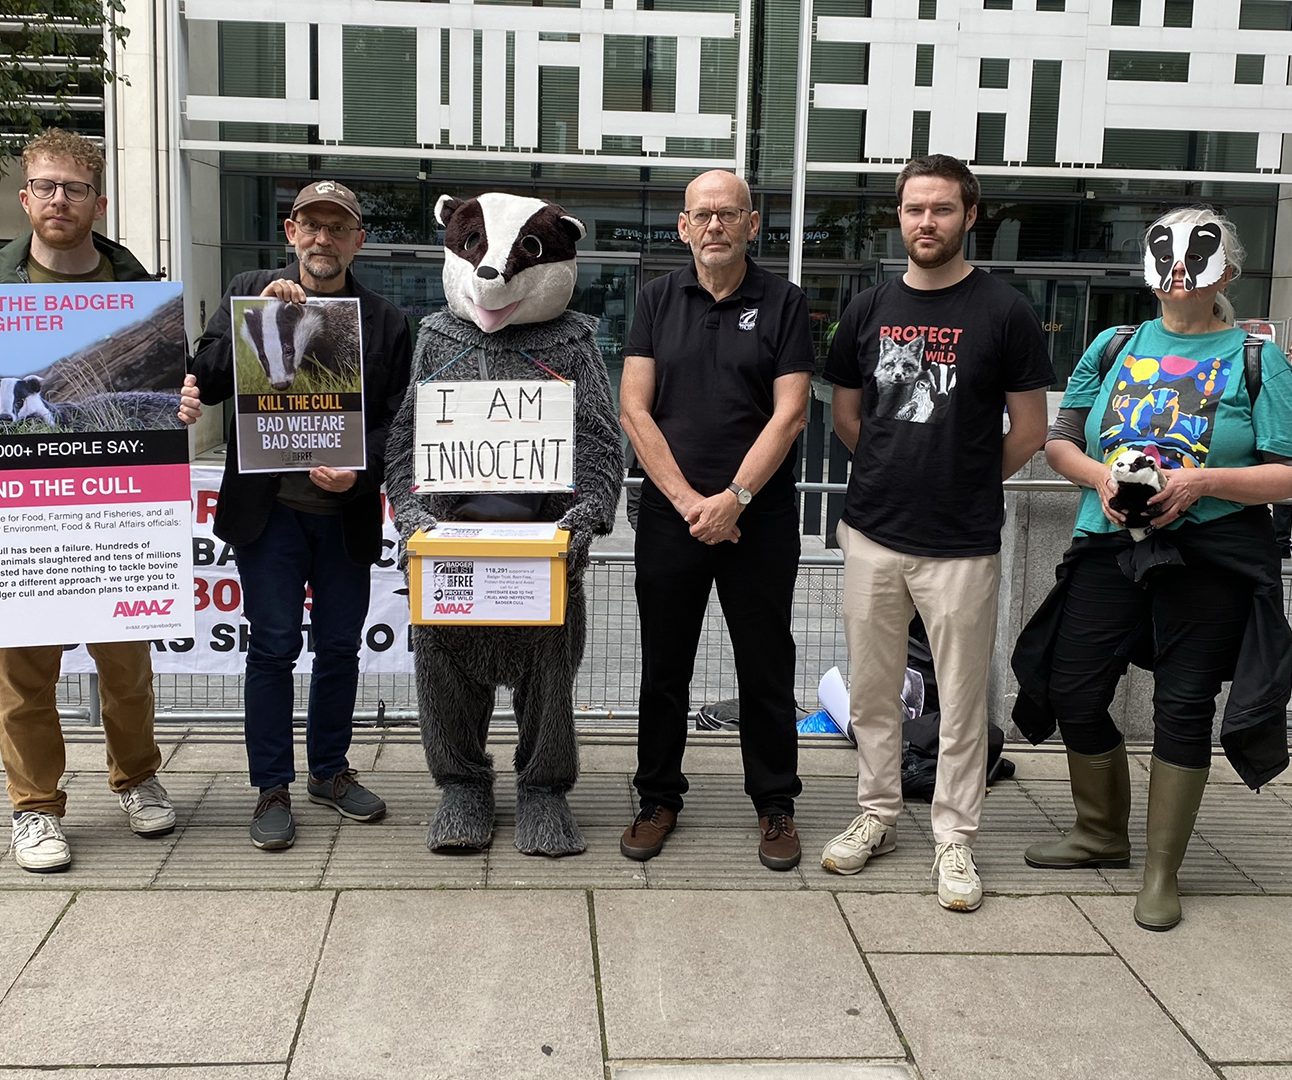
(94, 486)
(298, 384)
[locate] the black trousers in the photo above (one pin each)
(755, 579)
(1198, 615)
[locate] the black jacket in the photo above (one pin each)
(247, 499)
(14, 255)
(1253, 731)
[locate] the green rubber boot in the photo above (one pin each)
(1174, 795)
(1101, 794)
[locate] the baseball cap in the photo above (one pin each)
(329, 191)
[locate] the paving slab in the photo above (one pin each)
(24, 922)
(227, 973)
(454, 986)
(91, 802)
(784, 1070)
(230, 755)
(395, 857)
(999, 858)
(101, 859)
(1230, 950)
(597, 799)
(1257, 1072)
(224, 858)
(734, 975)
(1032, 1018)
(903, 870)
(696, 857)
(600, 867)
(1004, 924)
(231, 800)
(215, 1072)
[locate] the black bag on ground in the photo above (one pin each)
(920, 756)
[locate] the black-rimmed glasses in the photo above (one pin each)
(75, 190)
(728, 215)
(313, 228)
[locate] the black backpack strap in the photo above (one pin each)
(1252, 349)
(1113, 349)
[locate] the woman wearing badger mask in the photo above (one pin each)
(1199, 599)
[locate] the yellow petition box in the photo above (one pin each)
(488, 574)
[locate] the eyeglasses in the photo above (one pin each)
(313, 228)
(75, 190)
(728, 215)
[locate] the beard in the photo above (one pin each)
(62, 235)
(931, 259)
(322, 265)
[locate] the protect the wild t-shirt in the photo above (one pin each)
(933, 367)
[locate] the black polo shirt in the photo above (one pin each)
(715, 362)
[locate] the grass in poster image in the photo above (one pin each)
(310, 378)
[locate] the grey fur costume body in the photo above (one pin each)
(459, 667)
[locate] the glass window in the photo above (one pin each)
(923, 65)
(920, 132)
(928, 9)
(1050, 5)
(998, 5)
(993, 73)
(1127, 66)
(989, 148)
(1219, 151)
(1178, 13)
(1043, 120)
(1249, 69)
(1125, 13)
(1265, 15)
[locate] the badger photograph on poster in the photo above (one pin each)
(298, 378)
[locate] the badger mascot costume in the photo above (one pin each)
(509, 273)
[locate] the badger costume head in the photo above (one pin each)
(1138, 479)
(1198, 246)
(507, 259)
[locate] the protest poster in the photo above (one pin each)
(218, 642)
(298, 384)
(94, 486)
(490, 435)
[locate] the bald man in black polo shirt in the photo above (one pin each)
(713, 397)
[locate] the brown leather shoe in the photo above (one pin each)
(778, 849)
(644, 838)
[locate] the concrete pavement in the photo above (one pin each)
(358, 954)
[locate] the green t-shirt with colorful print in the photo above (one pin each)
(1182, 399)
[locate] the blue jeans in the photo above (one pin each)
(297, 549)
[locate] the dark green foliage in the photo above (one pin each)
(52, 51)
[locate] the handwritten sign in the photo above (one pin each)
(494, 436)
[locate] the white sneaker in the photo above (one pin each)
(848, 852)
(958, 886)
(39, 844)
(149, 808)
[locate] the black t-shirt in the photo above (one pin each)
(934, 367)
(715, 363)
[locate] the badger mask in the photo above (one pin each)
(507, 259)
(1198, 247)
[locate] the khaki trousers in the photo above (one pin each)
(957, 598)
(31, 740)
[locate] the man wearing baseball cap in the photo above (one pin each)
(320, 529)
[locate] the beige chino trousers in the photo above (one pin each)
(957, 599)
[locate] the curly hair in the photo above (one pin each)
(57, 143)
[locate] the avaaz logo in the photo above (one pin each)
(748, 319)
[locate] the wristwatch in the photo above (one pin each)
(743, 495)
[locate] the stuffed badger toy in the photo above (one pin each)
(1138, 480)
(509, 273)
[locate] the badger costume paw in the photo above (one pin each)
(464, 820)
(545, 824)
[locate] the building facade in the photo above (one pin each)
(1085, 120)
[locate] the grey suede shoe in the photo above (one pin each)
(272, 826)
(346, 796)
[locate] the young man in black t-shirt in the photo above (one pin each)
(924, 368)
(713, 397)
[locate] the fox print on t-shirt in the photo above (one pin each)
(913, 382)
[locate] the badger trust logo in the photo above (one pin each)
(748, 319)
(132, 609)
(324, 187)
